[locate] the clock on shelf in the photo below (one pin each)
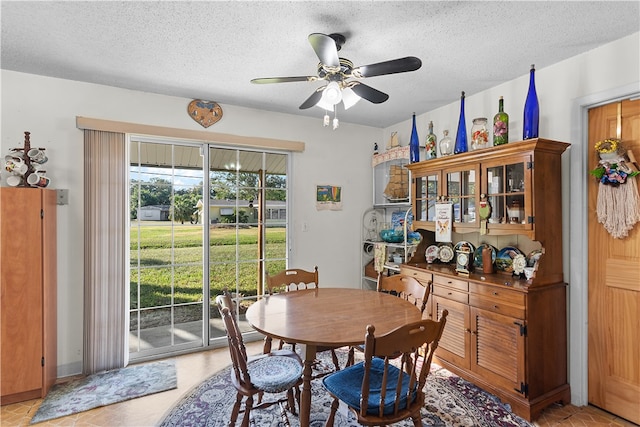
(463, 258)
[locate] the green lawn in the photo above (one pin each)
(173, 256)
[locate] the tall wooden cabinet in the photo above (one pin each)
(28, 343)
(505, 334)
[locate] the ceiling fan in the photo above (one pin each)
(337, 71)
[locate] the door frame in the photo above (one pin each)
(575, 184)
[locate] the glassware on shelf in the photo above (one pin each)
(479, 134)
(414, 143)
(430, 144)
(461, 137)
(514, 212)
(500, 125)
(531, 109)
(446, 145)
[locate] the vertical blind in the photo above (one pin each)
(105, 233)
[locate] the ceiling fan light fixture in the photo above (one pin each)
(349, 98)
(332, 93)
(324, 104)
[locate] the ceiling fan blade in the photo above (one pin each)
(313, 99)
(266, 80)
(369, 93)
(325, 48)
(400, 65)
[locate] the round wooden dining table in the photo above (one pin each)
(327, 317)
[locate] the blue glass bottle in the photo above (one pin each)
(531, 109)
(461, 137)
(414, 143)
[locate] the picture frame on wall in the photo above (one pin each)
(328, 197)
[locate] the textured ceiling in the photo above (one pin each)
(211, 50)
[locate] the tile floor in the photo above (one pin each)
(194, 368)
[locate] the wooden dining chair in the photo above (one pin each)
(404, 287)
(386, 388)
(291, 279)
(294, 279)
(270, 373)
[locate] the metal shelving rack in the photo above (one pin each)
(374, 218)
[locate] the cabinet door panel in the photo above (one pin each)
(497, 349)
(507, 183)
(425, 194)
(461, 189)
(455, 338)
(21, 314)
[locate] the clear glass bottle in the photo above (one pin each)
(479, 134)
(500, 125)
(414, 143)
(531, 109)
(430, 144)
(461, 137)
(446, 145)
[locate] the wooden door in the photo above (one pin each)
(614, 280)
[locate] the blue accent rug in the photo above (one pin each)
(107, 388)
(450, 402)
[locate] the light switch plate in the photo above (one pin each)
(63, 196)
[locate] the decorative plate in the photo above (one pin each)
(504, 258)
(204, 112)
(462, 244)
(477, 255)
(519, 263)
(431, 254)
(446, 252)
(533, 257)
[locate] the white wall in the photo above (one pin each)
(47, 108)
(565, 90)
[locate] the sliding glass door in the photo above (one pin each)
(166, 241)
(186, 248)
(248, 225)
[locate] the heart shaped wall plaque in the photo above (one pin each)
(204, 112)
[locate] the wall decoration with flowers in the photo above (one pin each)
(618, 205)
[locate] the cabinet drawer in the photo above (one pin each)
(497, 293)
(460, 285)
(422, 276)
(497, 306)
(449, 293)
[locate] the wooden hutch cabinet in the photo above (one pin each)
(29, 298)
(505, 334)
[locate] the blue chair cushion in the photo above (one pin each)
(346, 385)
(274, 374)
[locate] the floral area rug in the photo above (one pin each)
(106, 388)
(450, 401)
